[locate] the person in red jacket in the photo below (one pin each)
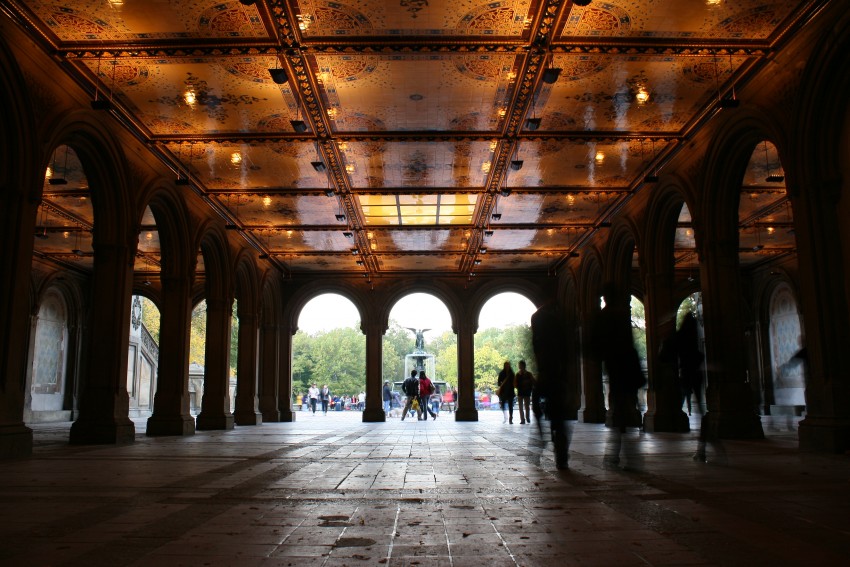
(426, 388)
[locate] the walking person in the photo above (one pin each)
(426, 388)
(614, 346)
(313, 394)
(524, 386)
(325, 398)
(505, 391)
(410, 387)
(387, 397)
(436, 400)
(552, 390)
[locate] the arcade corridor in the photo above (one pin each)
(335, 491)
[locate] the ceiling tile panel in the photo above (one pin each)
(446, 240)
(282, 242)
(537, 208)
(566, 163)
(270, 211)
(134, 20)
(431, 18)
(525, 262)
(378, 92)
(203, 95)
(530, 239)
(419, 262)
(318, 262)
(228, 165)
(605, 92)
(714, 19)
(378, 165)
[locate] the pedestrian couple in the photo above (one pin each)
(519, 386)
(418, 390)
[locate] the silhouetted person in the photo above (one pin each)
(690, 361)
(548, 338)
(410, 387)
(613, 344)
(524, 381)
(505, 391)
(426, 388)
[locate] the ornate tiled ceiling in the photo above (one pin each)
(413, 136)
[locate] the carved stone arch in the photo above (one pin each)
(591, 279)
(822, 127)
(271, 298)
(245, 279)
(71, 292)
(620, 249)
(17, 132)
(490, 289)
(662, 216)
(218, 279)
(103, 160)
(172, 224)
(438, 289)
(726, 164)
(304, 294)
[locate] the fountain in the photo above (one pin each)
(420, 360)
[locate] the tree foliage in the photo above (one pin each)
(495, 346)
(150, 318)
(336, 358)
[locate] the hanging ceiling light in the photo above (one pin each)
(551, 75)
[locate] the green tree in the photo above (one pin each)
(639, 326)
(336, 358)
(488, 364)
(234, 340)
(444, 347)
(198, 334)
(397, 343)
(150, 318)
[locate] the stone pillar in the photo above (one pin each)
(215, 405)
(823, 292)
(284, 399)
(16, 243)
(592, 397)
(269, 371)
(171, 404)
(664, 397)
(731, 408)
(466, 410)
(104, 402)
(374, 410)
(247, 408)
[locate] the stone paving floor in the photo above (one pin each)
(332, 491)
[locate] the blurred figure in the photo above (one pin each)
(613, 344)
(410, 387)
(387, 397)
(505, 391)
(690, 361)
(549, 339)
(426, 388)
(524, 386)
(313, 392)
(436, 401)
(325, 398)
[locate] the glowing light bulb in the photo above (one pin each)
(267, 201)
(235, 158)
(599, 157)
(642, 95)
(189, 97)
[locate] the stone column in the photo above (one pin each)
(823, 291)
(664, 397)
(247, 408)
(374, 410)
(284, 399)
(466, 410)
(592, 397)
(269, 371)
(215, 405)
(731, 408)
(16, 243)
(171, 403)
(104, 402)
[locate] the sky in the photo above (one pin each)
(417, 310)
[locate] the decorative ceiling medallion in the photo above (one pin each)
(496, 19)
(228, 19)
(598, 19)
